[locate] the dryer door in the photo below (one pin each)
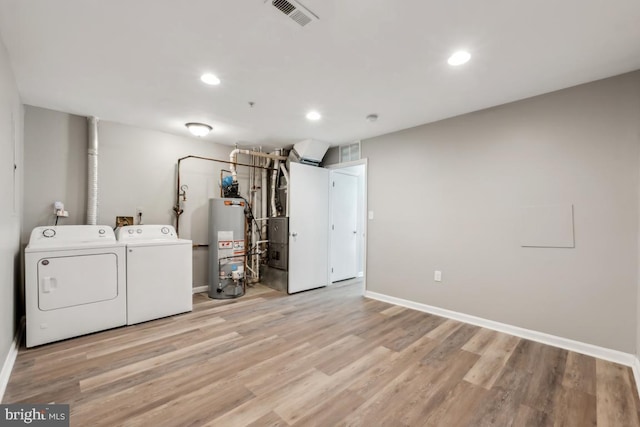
(75, 280)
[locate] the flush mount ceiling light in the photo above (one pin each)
(210, 79)
(313, 116)
(199, 129)
(459, 58)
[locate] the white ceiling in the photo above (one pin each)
(139, 62)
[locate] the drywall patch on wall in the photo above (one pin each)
(547, 226)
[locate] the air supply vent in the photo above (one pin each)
(294, 10)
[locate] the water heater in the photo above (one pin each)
(227, 251)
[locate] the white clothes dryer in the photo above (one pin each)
(74, 282)
(159, 272)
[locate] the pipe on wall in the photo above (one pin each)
(264, 197)
(92, 171)
(274, 183)
(177, 207)
(234, 155)
(285, 174)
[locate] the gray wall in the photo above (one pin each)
(56, 167)
(136, 168)
(448, 196)
(331, 157)
(11, 118)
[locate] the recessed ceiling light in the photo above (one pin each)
(210, 79)
(199, 129)
(313, 115)
(459, 58)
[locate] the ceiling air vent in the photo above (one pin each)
(295, 11)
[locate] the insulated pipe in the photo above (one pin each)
(264, 199)
(274, 183)
(92, 171)
(234, 155)
(286, 178)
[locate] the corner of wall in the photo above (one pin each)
(7, 366)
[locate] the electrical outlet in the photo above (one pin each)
(437, 276)
(139, 215)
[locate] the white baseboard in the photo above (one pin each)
(636, 372)
(7, 366)
(616, 356)
(199, 289)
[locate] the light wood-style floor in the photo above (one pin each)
(321, 358)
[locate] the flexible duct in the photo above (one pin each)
(92, 171)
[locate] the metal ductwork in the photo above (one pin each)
(309, 152)
(92, 171)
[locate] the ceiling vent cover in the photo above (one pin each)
(296, 11)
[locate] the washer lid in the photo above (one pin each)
(64, 236)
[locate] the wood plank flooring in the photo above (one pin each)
(327, 357)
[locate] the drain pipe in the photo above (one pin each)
(92, 171)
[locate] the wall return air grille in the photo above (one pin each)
(296, 11)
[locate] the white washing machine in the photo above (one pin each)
(159, 272)
(74, 282)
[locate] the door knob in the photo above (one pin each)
(294, 234)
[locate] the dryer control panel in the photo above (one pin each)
(70, 234)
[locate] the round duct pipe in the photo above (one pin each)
(92, 171)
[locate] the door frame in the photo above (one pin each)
(364, 220)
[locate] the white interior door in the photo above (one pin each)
(308, 227)
(344, 226)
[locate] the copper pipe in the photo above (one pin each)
(176, 208)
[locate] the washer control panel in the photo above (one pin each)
(146, 232)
